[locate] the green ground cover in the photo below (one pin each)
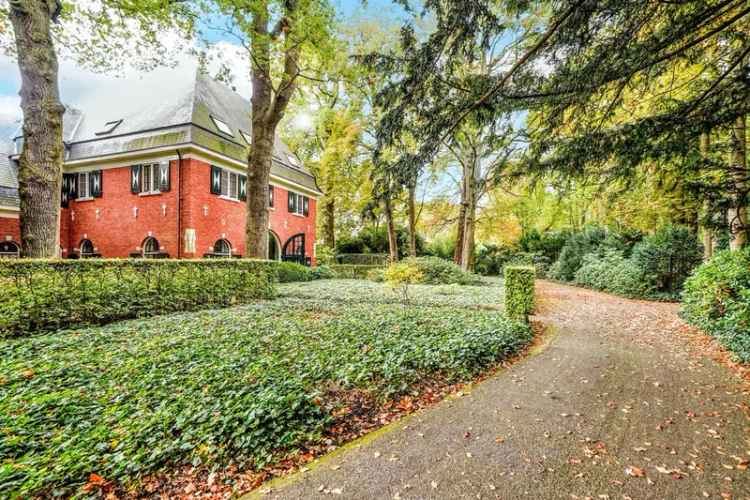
(241, 385)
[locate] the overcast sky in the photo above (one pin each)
(82, 88)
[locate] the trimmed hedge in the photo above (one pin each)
(716, 298)
(519, 291)
(44, 295)
(362, 259)
(351, 271)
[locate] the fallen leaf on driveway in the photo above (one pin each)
(634, 471)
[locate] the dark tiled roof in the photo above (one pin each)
(181, 115)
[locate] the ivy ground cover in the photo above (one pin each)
(240, 386)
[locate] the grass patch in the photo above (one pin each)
(234, 386)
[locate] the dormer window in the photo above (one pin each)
(109, 127)
(222, 126)
(248, 138)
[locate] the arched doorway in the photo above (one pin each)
(294, 249)
(274, 246)
(9, 250)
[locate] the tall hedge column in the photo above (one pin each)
(519, 292)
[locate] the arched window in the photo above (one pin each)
(274, 247)
(151, 247)
(294, 249)
(9, 250)
(87, 248)
(223, 248)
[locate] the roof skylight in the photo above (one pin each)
(109, 127)
(222, 126)
(248, 138)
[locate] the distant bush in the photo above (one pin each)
(669, 256)
(441, 247)
(613, 273)
(716, 298)
(375, 240)
(325, 255)
(490, 259)
(519, 291)
(288, 272)
(576, 247)
(323, 272)
(437, 271)
(549, 243)
(43, 295)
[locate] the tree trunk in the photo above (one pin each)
(708, 233)
(458, 251)
(268, 107)
(412, 220)
(467, 254)
(41, 160)
(738, 212)
(392, 239)
(258, 176)
(329, 222)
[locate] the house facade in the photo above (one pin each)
(169, 180)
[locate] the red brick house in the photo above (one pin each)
(168, 180)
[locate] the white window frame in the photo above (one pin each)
(299, 205)
(230, 185)
(222, 126)
(87, 186)
(153, 188)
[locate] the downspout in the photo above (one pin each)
(179, 204)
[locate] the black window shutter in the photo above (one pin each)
(215, 180)
(164, 176)
(95, 183)
(243, 187)
(135, 179)
(68, 180)
(73, 192)
(305, 205)
(292, 202)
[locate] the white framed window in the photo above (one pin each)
(83, 186)
(298, 204)
(230, 183)
(150, 179)
(222, 126)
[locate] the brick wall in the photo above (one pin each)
(119, 221)
(10, 229)
(213, 217)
